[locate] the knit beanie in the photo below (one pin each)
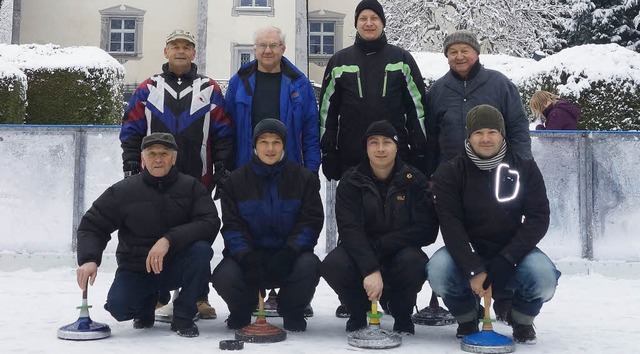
(381, 127)
(270, 125)
(372, 5)
(464, 37)
(484, 116)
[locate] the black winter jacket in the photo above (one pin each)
(368, 82)
(476, 226)
(371, 228)
(143, 209)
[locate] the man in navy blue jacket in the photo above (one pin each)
(272, 215)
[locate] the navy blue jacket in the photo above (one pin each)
(298, 111)
(270, 206)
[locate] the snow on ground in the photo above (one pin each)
(589, 314)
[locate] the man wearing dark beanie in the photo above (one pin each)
(385, 216)
(493, 210)
(367, 82)
(266, 252)
(468, 84)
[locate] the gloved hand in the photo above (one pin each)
(220, 176)
(251, 267)
(329, 141)
(331, 167)
(130, 168)
(279, 267)
(499, 271)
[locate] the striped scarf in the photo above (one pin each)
(486, 164)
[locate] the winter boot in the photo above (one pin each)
(205, 311)
(146, 317)
(467, 328)
(295, 323)
(342, 311)
(524, 334)
(356, 321)
(238, 319)
(403, 324)
(184, 327)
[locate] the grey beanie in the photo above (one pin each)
(464, 37)
(270, 125)
(484, 116)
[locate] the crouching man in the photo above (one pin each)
(166, 224)
(272, 216)
(493, 211)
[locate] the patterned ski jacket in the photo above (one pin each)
(475, 224)
(190, 107)
(372, 227)
(270, 206)
(143, 209)
(298, 112)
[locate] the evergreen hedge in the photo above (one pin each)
(13, 98)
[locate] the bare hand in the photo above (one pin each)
(476, 283)
(155, 258)
(86, 273)
(373, 285)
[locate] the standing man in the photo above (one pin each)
(369, 81)
(272, 87)
(166, 223)
(190, 107)
(493, 211)
(385, 215)
(466, 85)
(272, 215)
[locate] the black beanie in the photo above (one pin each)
(381, 127)
(484, 116)
(372, 5)
(270, 125)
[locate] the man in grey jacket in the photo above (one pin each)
(466, 85)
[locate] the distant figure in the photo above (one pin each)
(556, 113)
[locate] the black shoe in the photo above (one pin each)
(184, 327)
(342, 311)
(238, 319)
(147, 315)
(142, 323)
(404, 325)
(308, 311)
(355, 323)
(466, 328)
(524, 334)
(295, 323)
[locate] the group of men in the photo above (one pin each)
(456, 159)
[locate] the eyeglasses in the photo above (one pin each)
(272, 46)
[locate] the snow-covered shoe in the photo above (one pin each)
(524, 334)
(205, 311)
(466, 328)
(308, 311)
(295, 323)
(342, 311)
(184, 327)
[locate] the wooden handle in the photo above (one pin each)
(260, 302)
(486, 324)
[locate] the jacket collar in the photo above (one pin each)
(192, 74)
(475, 69)
(262, 169)
(370, 47)
(160, 183)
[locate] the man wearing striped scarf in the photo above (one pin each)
(493, 211)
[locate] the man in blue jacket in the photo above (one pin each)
(272, 215)
(272, 87)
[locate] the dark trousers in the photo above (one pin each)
(403, 276)
(132, 292)
(296, 291)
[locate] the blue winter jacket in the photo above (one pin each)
(298, 111)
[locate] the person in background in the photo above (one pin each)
(466, 85)
(166, 223)
(557, 114)
(191, 107)
(385, 215)
(272, 216)
(272, 87)
(493, 210)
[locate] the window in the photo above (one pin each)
(121, 32)
(242, 54)
(326, 30)
(322, 37)
(253, 7)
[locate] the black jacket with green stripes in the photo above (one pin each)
(367, 82)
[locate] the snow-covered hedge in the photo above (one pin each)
(13, 96)
(70, 85)
(604, 80)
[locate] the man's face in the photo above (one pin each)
(369, 25)
(461, 58)
(269, 148)
(268, 50)
(381, 151)
(486, 142)
(158, 159)
(180, 53)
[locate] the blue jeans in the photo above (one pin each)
(131, 292)
(534, 282)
